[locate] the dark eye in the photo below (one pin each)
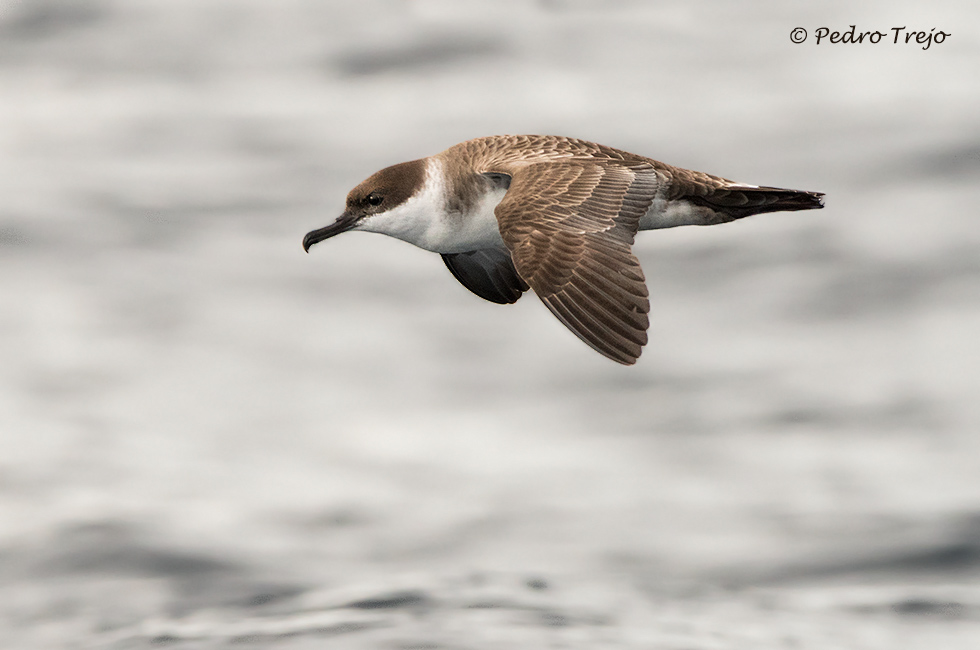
(374, 198)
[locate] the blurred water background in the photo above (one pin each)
(209, 439)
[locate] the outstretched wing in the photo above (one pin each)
(569, 226)
(489, 273)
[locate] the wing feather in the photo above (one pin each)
(570, 226)
(489, 273)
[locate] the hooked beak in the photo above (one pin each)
(343, 223)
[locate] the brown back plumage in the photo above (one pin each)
(569, 220)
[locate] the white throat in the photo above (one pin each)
(425, 220)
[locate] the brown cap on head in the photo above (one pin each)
(387, 188)
(384, 190)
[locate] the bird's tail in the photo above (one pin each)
(737, 201)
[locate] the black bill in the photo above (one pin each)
(343, 223)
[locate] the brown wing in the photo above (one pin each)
(569, 226)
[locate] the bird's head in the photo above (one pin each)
(378, 204)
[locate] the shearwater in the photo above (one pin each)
(557, 215)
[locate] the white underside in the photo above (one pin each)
(668, 214)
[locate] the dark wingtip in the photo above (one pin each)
(739, 201)
(790, 200)
(816, 199)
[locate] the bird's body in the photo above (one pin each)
(557, 215)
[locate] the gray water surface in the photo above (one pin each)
(209, 439)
